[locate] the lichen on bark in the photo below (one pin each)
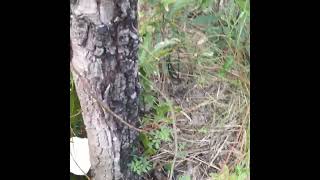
(104, 43)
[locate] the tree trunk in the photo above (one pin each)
(104, 43)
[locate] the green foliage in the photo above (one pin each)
(164, 29)
(140, 165)
(179, 5)
(156, 137)
(167, 167)
(147, 144)
(166, 3)
(162, 134)
(206, 5)
(182, 154)
(161, 111)
(203, 130)
(167, 43)
(239, 174)
(182, 146)
(151, 141)
(184, 177)
(227, 66)
(205, 20)
(75, 109)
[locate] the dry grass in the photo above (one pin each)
(213, 127)
(213, 124)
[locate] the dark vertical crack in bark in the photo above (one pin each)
(127, 45)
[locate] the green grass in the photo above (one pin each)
(208, 44)
(216, 47)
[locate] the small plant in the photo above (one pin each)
(184, 177)
(203, 130)
(140, 165)
(182, 146)
(163, 134)
(239, 174)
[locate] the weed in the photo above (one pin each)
(76, 122)
(211, 43)
(140, 165)
(239, 174)
(184, 178)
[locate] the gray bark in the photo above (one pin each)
(104, 43)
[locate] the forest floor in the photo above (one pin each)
(194, 67)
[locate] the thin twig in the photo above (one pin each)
(175, 145)
(219, 150)
(211, 165)
(150, 53)
(72, 131)
(85, 174)
(72, 116)
(104, 106)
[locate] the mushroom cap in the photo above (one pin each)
(79, 156)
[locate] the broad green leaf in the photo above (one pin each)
(164, 44)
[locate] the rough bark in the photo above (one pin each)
(104, 43)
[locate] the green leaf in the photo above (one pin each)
(228, 63)
(207, 4)
(182, 146)
(164, 134)
(75, 108)
(243, 5)
(207, 54)
(165, 44)
(167, 167)
(185, 177)
(149, 99)
(162, 109)
(227, 66)
(162, 52)
(178, 5)
(147, 145)
(203, 130)
(140, 165)
(204, 20)
(166, 3)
